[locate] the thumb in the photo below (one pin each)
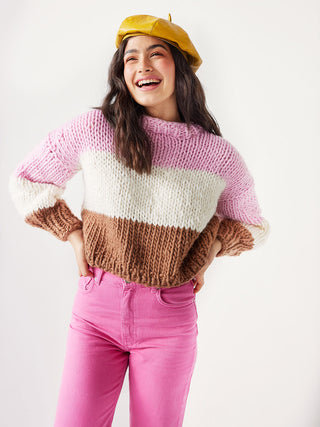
(84, 269)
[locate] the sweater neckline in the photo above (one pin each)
(176, 129)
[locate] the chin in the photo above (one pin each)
(147, 104)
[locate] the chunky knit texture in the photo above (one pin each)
(152, 229)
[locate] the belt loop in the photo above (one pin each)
(97, 275)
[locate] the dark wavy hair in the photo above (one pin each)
(132, 145)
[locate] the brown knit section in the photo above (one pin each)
(58, 219)
(145, 253)
(235, 238)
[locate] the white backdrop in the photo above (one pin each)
(259, 322)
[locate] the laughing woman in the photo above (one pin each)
(165, 194)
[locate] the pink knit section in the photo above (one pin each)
(56, 158)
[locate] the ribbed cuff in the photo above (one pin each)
(58, 220)
(235, 238)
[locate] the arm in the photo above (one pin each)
(242, 227)
(37, 183)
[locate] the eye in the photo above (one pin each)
(130, 59)
(156, 53)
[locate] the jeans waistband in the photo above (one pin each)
(98, 274)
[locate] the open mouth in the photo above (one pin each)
(148, 83)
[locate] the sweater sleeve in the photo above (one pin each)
(242, 226)
(37, 183)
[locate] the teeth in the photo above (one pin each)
(142, 82)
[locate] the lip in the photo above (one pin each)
(146, 88)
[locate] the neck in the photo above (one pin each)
(170, 116)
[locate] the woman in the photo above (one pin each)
(164, 195)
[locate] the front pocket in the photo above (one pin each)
(86, 283)
(180, 296)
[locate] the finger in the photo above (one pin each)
(84, 268)
(82, 264)
(198, 287)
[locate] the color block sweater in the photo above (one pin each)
(152, 229)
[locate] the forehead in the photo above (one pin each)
(143, 41)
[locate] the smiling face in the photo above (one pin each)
(149, 58)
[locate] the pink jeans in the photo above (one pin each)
(116, 324)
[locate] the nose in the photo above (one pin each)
(144, 65)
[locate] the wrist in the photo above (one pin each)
(219, 245)
(75, 235)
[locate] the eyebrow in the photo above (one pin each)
(149, 48)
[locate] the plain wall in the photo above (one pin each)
(259, 321)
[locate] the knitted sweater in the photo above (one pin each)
(152, 229)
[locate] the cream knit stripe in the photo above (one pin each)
(31, 196)
(259, 232)
(168, 197)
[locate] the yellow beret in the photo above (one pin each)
(164, 29)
